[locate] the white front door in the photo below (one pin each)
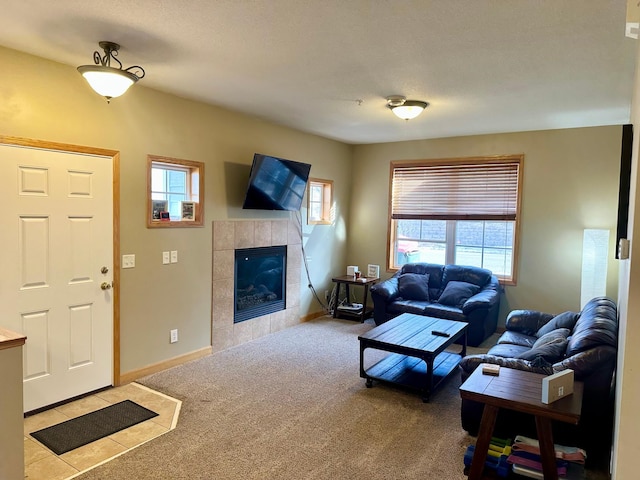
(56, 257)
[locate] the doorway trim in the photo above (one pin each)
(115, 194)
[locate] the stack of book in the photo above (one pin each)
(350, 307)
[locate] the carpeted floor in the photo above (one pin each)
(291, 405)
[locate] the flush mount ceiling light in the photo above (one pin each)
(405, 109)
(106, 80)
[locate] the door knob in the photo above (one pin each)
(105, 286)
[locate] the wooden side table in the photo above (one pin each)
(520, 391)
(348, 280)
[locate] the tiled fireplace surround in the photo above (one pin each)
(229, 235)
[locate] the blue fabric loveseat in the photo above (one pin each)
(453, 292)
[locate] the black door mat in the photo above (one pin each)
(79, 431)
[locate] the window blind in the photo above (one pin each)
(466, 191)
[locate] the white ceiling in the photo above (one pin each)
(485, 66)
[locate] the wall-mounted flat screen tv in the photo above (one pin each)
(276, 184)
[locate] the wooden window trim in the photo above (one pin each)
(192, 167)
(516, 158)
(327, 201)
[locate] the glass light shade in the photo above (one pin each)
(409, 109)
(107, 81)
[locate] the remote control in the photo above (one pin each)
(440, 334)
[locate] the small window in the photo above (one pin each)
(456, 211)
(319, 199)
(175, 192)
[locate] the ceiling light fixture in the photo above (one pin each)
(405, 109)
(106, 80)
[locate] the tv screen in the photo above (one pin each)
(276, 184)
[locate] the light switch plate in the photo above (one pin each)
(174, 256)
(166, 259)
(623, 249)
(128, 261)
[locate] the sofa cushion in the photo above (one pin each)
(602, 332)
(465, 273)
(507, 350)
(407, 306)
(456, 293)
(434, 271)
(596, 325)
(550, 347)
(563, 320)
(414, 286)
(551, 337)
(444, 311)
(517, 338)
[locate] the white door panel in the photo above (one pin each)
(56, 238)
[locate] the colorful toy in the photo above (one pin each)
(497, 463)
(496, 451)
(501, 442)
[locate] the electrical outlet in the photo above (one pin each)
(166, 259)
(128, 261)
(173, 336)
(174, 256)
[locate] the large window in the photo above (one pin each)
(457, 211)
(175, 192)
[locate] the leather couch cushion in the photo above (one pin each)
(517, 338)
(460, 273)
(444, 311)
(456, 293)
(552, 336)
(414, 286)
(585, 339)
(549, 348)
(407, 306)
(507, 350)
(597, 325)
(563, 320)
(434, 271)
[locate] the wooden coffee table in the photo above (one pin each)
(520, 391)
(418, 360)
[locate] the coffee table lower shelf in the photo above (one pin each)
(411, 372)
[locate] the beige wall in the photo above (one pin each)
(626, 442)
(570, 183)
(44, 100)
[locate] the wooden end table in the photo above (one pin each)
(347, 281)
(520, 391)
(418, 359)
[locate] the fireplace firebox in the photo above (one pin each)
(260, 279)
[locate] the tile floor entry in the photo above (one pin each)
(40, 463)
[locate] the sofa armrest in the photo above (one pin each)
(386, 291)
(484, 299)
(526, 321)
(584, 364)
(469, 363)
